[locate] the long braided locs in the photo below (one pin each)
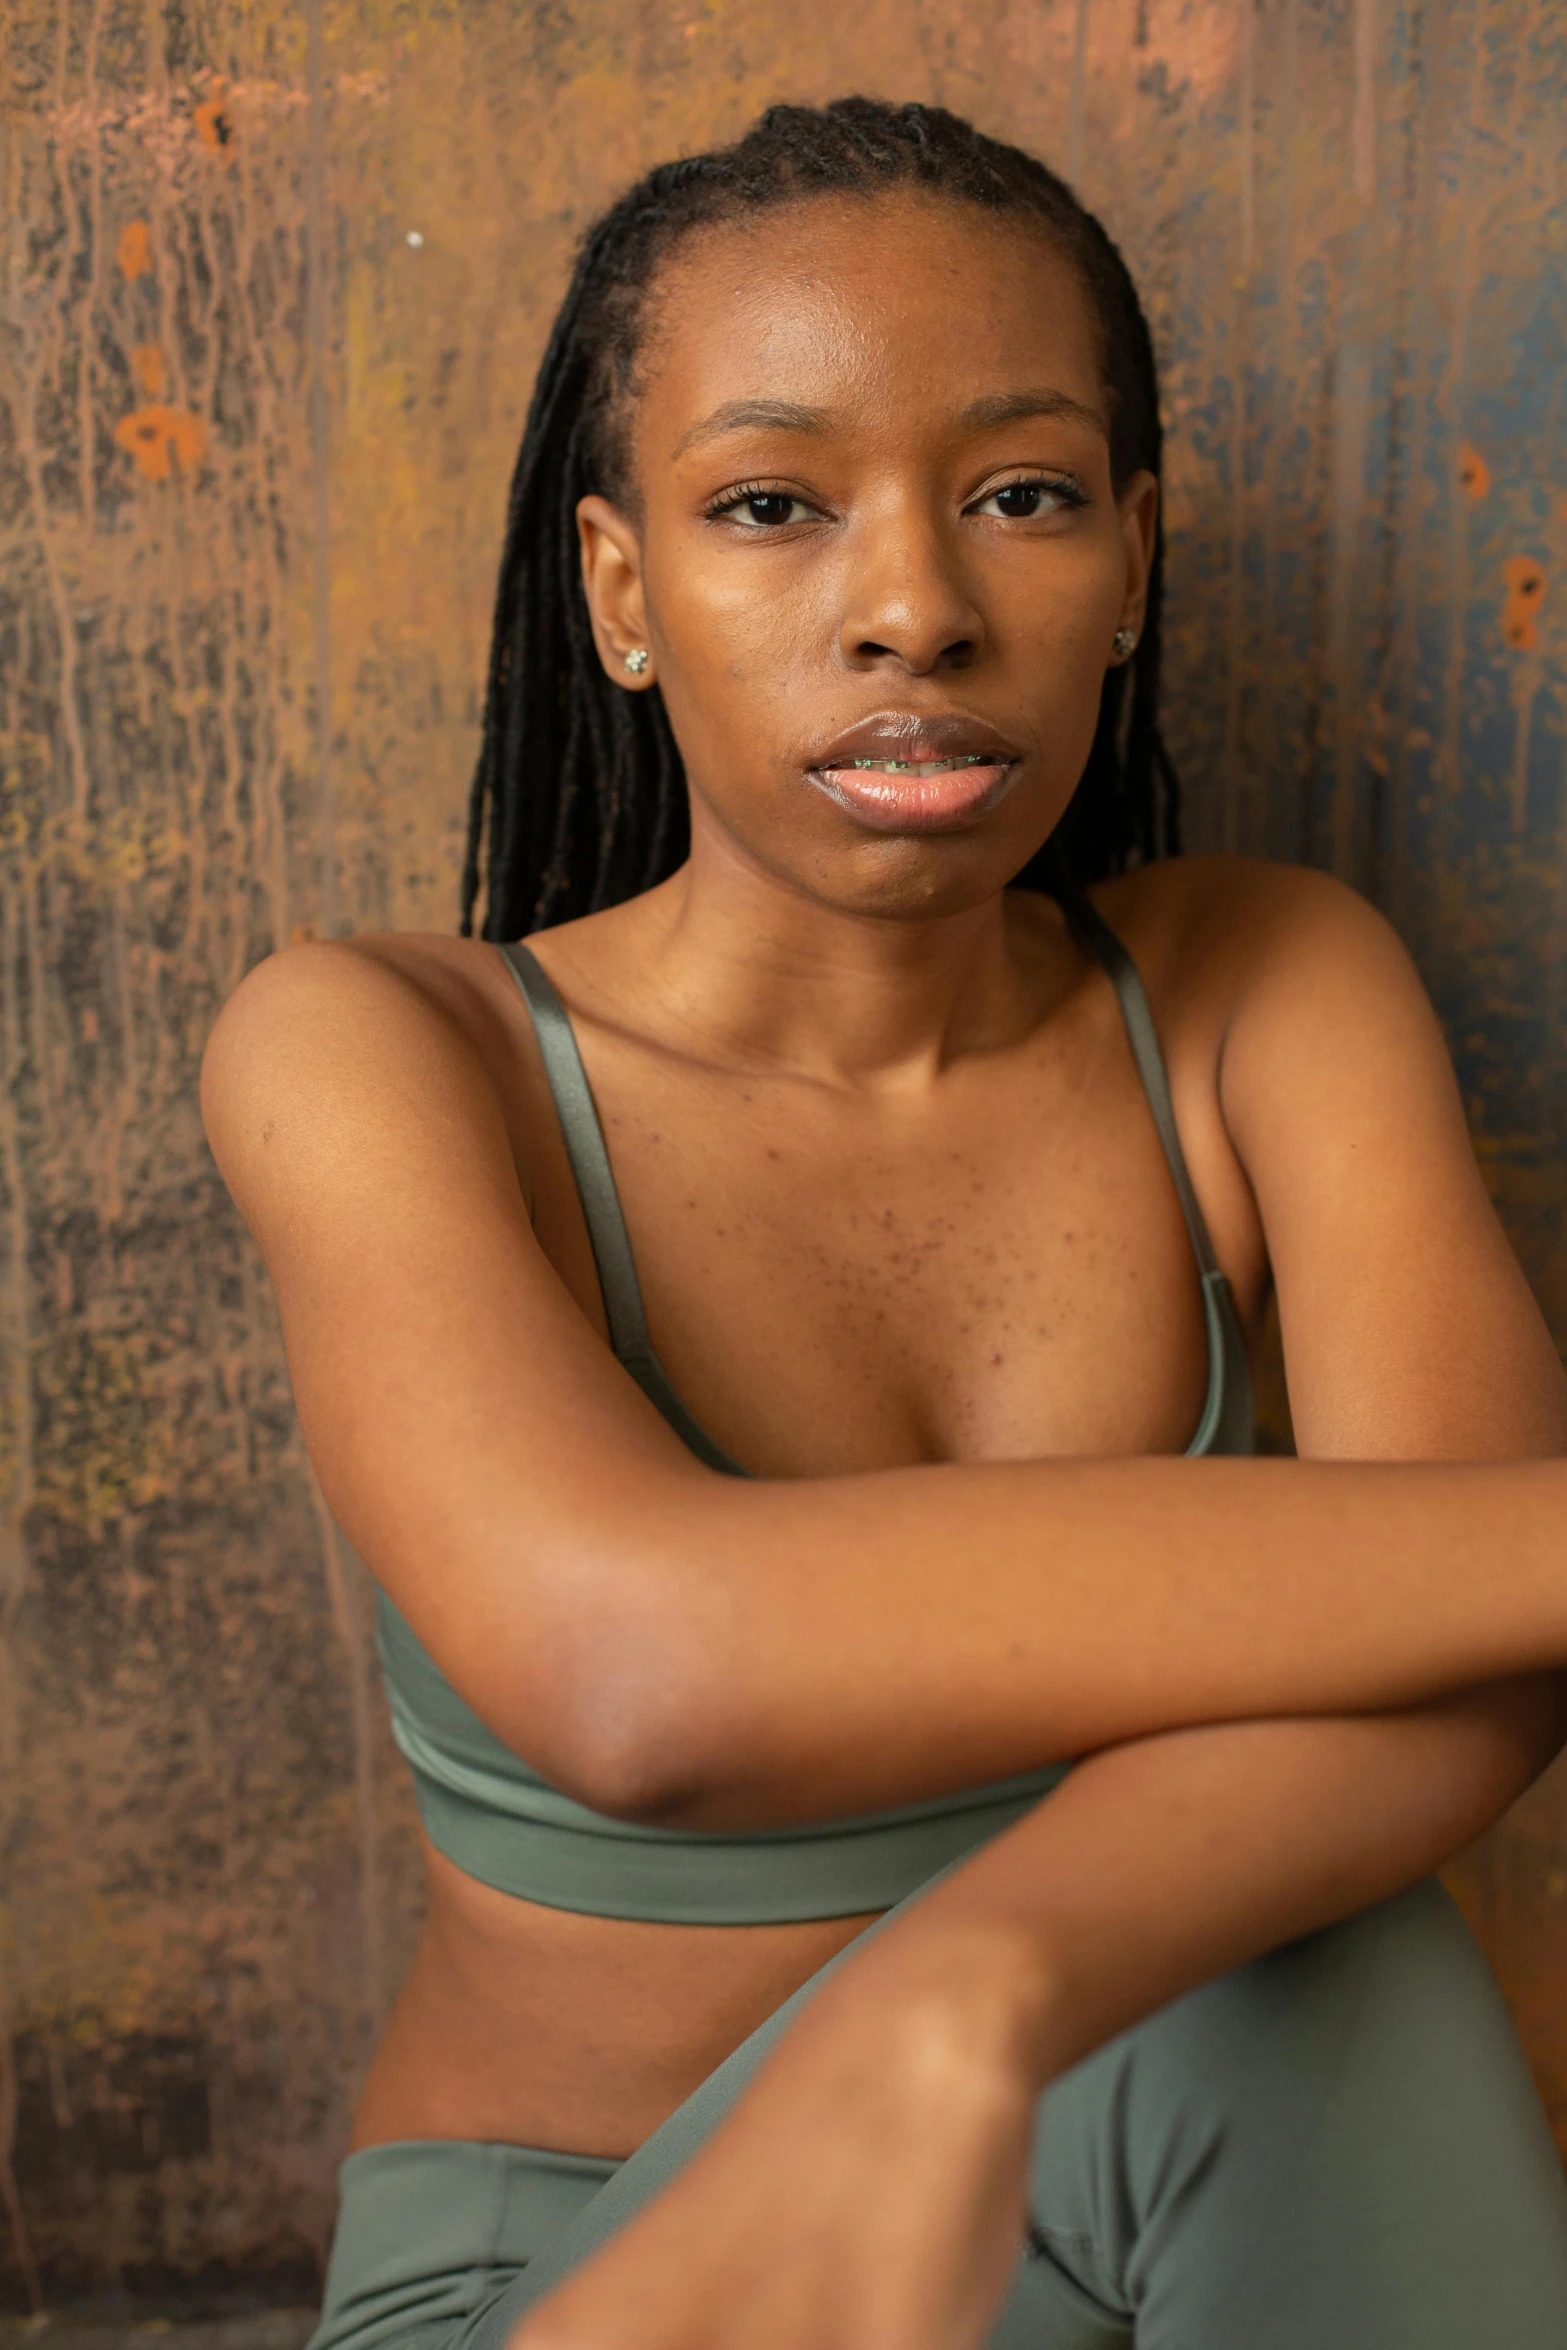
(579, 798)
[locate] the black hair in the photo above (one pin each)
(579, 784)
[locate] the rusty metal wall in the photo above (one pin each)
(276, 276)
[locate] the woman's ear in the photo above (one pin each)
(1138, 505)
(612, 583)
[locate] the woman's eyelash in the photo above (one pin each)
(730, 499)
(1060, 485)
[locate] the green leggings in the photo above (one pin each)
(1335, 2148)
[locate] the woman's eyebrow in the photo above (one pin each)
(744, 415)
(793, 416)
(1016, 407)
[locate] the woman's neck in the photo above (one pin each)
(754, 972)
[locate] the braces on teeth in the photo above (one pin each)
(926, 766)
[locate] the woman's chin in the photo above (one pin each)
(914, 877)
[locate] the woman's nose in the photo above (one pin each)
(908, 604)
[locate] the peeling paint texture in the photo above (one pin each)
(276, 277)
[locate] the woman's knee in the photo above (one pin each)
(1348, 2121)
(1361, 2003)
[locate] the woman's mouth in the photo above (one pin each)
(918, 795)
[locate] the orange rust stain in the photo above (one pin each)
(1525, 580)
(133, 250)
(150, 372)
(1473, 472)
(155, 436)
(214, 128)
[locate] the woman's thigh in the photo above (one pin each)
(1335, 2148)
(430, 2231)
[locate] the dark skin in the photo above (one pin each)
(908, 1247)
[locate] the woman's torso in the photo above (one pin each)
(836, 1277)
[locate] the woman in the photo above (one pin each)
(838, 506)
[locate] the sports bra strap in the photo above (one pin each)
(1095, 936)
(1226, 1423)
(584, 1139)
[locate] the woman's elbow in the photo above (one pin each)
(629, 1694)
(639, 1741)
(635, 1772)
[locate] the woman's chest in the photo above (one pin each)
(985, 1270)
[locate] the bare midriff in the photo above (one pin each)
(538, 2027)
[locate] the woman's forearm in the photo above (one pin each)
(715, 1652)
(1161, 1865)
(871, 2181)
(766, 1654)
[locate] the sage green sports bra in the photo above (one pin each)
(500, 1822)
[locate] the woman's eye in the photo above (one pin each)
(764, 509)
(1022, 501)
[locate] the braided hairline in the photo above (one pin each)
(580, 784)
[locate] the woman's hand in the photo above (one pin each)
(867, 2193)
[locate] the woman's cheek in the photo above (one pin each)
(718, 636)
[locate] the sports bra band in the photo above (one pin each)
(497, 1819)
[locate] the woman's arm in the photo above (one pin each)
(1159, 1864)
(870, 2184)
(1163, 1863)
(676, 1645)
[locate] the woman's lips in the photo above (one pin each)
(926, 795)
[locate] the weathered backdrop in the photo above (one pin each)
(276, 279)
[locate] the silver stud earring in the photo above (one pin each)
(636, 660)
(1124, 643)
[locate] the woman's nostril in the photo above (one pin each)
(956, 655)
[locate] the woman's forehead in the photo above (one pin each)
(835, 300)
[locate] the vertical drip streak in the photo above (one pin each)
(17, 1354)
(1363, 130)
(320, 464)
(1246, 164)
(345, 1597)
(1077, 143)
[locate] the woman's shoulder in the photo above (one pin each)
(1290, 1006)
(390, 984)
(1227, 932)
(1274, 986)
(1215, 901)
(337, 1038)
(340, 994)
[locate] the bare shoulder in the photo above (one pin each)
(1238, 951)
(308, 1006)
(1232, 923)
(1309, 1043)
(333, 1049)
